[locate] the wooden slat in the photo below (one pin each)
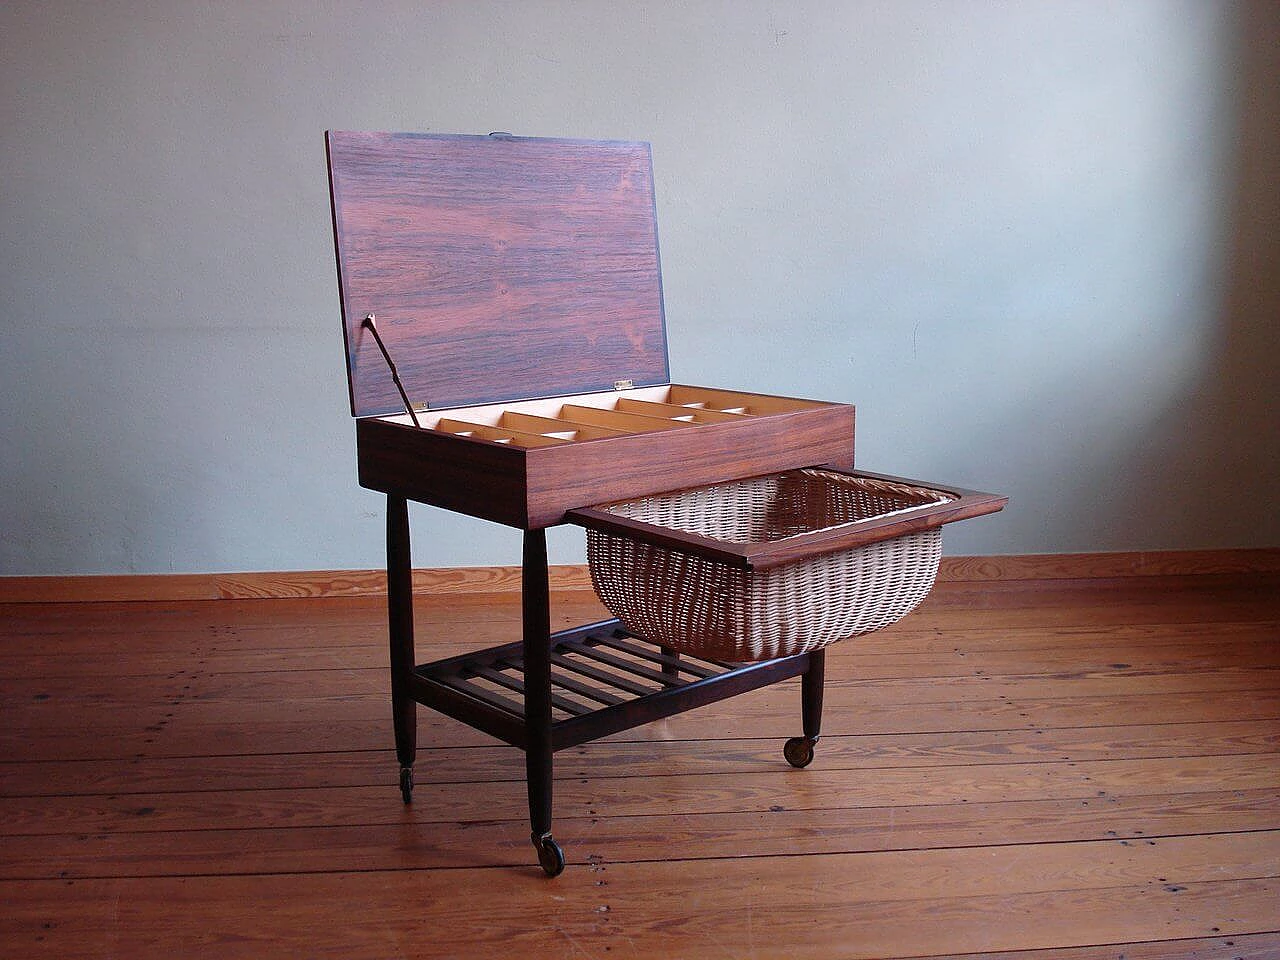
(517, 684)
(619, 663)
(481, 693)
(611, 678)
(597, 694)
(636, 650)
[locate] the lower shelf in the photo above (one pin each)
(603, 679)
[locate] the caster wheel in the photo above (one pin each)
(406, 784)
(549, 855)
(798, 751)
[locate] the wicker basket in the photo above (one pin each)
(711, 608)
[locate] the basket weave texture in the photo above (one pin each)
(711, 609)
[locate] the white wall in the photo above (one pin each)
(1034, 242)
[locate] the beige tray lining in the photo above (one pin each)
(593, 416)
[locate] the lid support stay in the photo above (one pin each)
(370, 323)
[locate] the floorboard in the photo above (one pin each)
(1019, 771)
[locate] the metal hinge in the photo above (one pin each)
(623, 384)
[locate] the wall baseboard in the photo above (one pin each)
(458, 581)
(1095, 566)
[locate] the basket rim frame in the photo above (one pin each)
(764, 554)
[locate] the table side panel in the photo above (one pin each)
(485, 480)
(531, 488)
(584, 474)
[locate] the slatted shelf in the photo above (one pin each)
(516, 683)
(595, 673)
(601, 663)
(619, 663)
(619, 642)
(564, 682)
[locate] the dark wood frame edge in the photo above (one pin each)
(763, 555)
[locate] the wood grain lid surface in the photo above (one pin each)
(498, 268)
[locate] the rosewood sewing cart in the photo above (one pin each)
(506, 357)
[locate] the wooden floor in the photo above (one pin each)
(1026, 769)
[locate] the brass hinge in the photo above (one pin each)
(623, 384)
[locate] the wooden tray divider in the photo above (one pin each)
(676, 411)
(629, 422)
(755, 404)
(535, 424)
(498, 434)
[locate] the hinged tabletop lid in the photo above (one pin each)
(498, 268)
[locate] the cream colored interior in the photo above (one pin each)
(595, 416)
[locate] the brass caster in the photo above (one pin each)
(549, 855)
(799, 751)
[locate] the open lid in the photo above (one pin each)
(498, 268)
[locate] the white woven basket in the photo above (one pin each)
(710, 608)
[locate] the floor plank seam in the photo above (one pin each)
(518, 777)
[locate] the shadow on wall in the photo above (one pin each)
(1211, 460)
(1199, 465)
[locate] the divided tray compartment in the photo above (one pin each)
(774, 565)
(526, 463)
(556, 421)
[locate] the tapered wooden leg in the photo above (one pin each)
(811, 683)
(799, 750)
(536, 604)
(400, 630)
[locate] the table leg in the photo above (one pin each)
(811, 683)
(400, 630)
(536, 607)
(799, 750)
